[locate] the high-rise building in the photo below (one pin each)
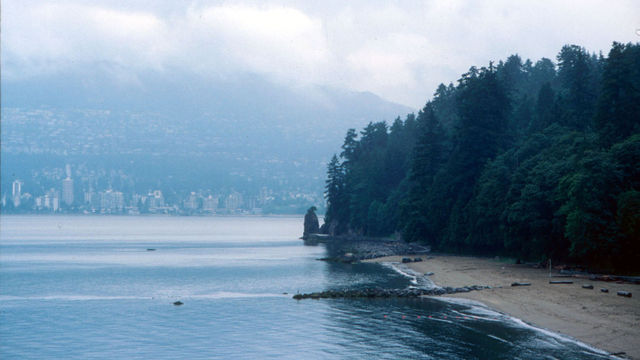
(55, 203)
(233, 201)
(88, 196)
(156, 200)
(52, 200)
(67, 187)
(210, 204)
(191, 202)
(111, 201)
(67, 191)
(16, 192)
(118, 199)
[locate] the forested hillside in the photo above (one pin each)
(532, 160)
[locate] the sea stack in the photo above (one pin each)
(311, 224)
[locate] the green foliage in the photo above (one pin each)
(426, 159)
(628, 220)
(618, 112)
(544, 110)
(336, 216)
(517, 160)
(577, 74)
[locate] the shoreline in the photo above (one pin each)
(602, 320)
(60, 214)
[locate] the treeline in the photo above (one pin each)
(532, 160)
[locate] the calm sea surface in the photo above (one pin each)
(76, 287)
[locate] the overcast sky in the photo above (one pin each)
(400, 50)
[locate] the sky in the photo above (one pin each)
(399, 50)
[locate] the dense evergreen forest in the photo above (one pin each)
(531, 160)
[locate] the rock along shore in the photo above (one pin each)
(351, 248)
(387, 293)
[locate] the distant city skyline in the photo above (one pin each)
(110, 200)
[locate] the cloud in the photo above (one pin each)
(280, 42)
(51, 37)
(399, 50)
(402, 51)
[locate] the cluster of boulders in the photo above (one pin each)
(371, 249)
(349, 258)
(387, 293)
(350, 250)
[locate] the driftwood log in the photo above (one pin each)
(624, 293)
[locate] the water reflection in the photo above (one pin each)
(429, 328)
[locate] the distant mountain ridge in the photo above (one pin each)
(189, 93)
(229, 132)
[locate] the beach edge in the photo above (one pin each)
(598, 320)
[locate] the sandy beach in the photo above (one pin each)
(604, 320)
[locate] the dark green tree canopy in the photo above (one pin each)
(525, 159)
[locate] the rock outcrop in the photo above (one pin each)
(311, 224)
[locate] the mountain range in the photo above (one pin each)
(181, 130)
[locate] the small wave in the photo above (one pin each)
(475, 309)
(417, 279)
(404, 271)
(561, 337)
(498, 338)
(485, 313)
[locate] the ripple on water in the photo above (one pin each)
(80, 291)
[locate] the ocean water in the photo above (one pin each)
(86, 287)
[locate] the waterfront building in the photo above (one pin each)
(55, 203)
(16, 192)
(191, 203)
(233, 202)
(210, 204)
(67, 191)
(111, 201)
(156, 200)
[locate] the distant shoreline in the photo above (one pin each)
(155, 215)
(603, 320)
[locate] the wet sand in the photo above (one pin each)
(603, 320)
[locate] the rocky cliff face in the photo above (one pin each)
(311, 224)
